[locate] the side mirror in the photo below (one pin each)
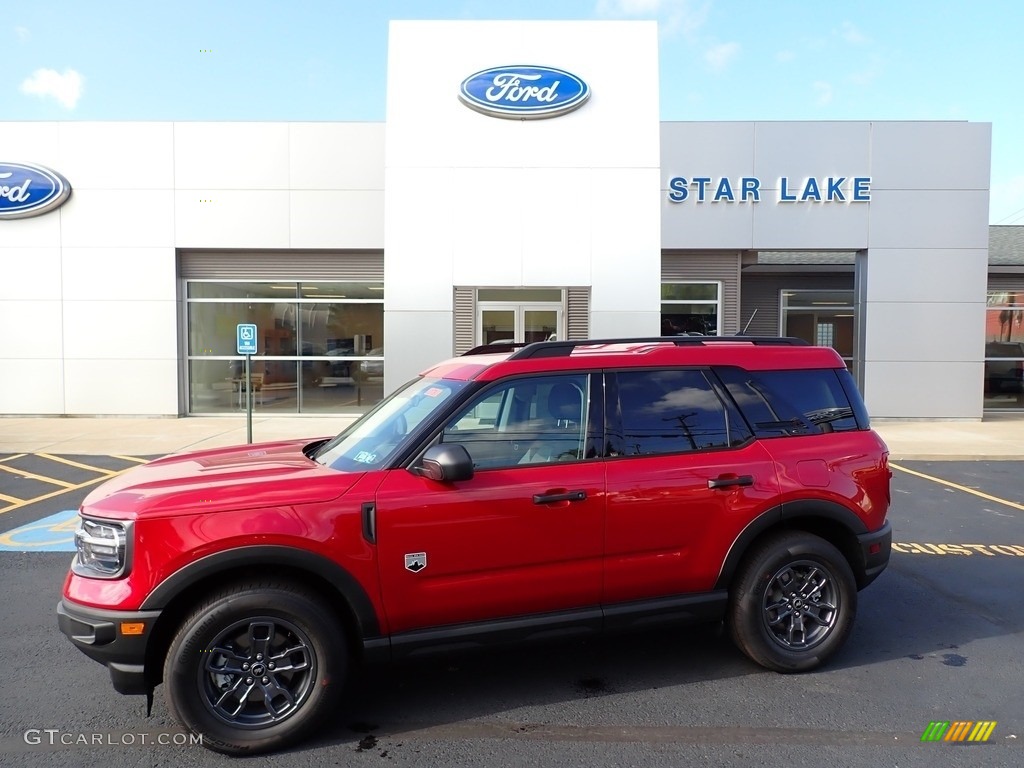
(446, 463)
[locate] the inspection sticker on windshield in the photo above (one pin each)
(365, 457)
(433, 392)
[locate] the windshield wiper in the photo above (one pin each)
(790, 427)
(314, 449)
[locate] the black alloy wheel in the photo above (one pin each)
(255, 667)
(793, 602)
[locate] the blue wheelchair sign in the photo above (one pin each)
(246, 338)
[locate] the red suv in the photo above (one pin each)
(566, 486)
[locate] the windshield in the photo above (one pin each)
(372, 440)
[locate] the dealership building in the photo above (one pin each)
(522, 187)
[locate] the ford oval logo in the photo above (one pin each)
(523, 92)
(30, 190)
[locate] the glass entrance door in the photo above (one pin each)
(540, 323)
(504, 322)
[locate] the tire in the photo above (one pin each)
(793, 603)
(240, 640)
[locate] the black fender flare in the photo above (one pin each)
(778, 517)
(269, 556)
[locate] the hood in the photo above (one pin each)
(240, 477)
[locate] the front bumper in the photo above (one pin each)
(875, 548)
(97, 634)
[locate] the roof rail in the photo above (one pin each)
(494, 347)
(565, 348)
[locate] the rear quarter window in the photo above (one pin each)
(796, 402)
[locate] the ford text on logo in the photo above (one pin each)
(523, 92)
(30, 190)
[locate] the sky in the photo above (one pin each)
(326, 60)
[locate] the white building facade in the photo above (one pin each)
(364, 252)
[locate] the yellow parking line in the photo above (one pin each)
(30, 475)
(963, 488)
(9, 499)
(71, 463)
(50, 495)
(71, 524)
(130, 458)
(12, 457)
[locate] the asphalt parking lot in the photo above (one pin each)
(938, 640)
(36, 486)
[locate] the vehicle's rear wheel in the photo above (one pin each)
(255, 667)
(793, 602)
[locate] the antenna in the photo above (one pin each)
(749, 321)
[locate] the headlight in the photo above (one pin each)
(102, 547)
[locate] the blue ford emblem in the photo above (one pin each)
(523, 92)
(30, 190)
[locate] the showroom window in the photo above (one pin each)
(1004, 349)
(824, 318)
(689, 307)
(320, 346)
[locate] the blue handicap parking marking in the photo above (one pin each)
(55, 533)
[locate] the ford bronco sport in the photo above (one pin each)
(508, 494)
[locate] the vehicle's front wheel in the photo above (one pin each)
(793, 602)
(255, 667)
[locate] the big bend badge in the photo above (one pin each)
(416, 561)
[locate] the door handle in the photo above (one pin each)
(549, 498)
(728, 481)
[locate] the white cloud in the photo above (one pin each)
(873, 68)
(685, 16)
(851, 34)
(629, 7)
(49, 83)
(22, 34)
(718, 57)
(823, 91)
(862, 78)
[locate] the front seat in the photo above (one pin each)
(559, 438)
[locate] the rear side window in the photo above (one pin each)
(798, 402)
(672, 411)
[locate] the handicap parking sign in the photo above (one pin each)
(246, 338)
